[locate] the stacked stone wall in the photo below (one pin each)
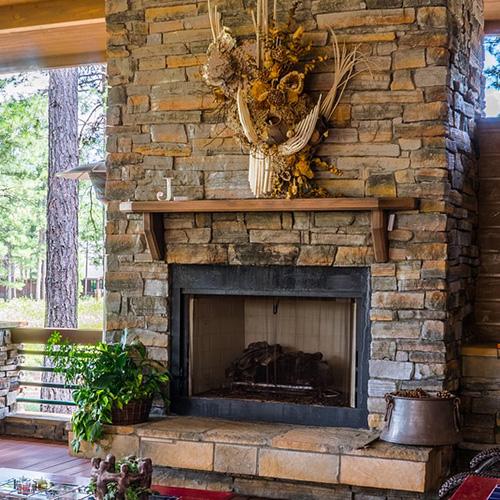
(9, 375)
(402, 130)
(466, 104)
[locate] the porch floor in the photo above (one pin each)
(41, 456)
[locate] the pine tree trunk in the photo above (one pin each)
(13, 274)
(40, 280)
(61, 278)
(10, 278)
(62, 201)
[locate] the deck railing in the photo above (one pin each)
(32, 352)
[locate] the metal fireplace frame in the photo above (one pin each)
(278, 281)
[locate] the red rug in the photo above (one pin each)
(189, 494)
(476, 488)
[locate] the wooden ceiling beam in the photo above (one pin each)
(51, 62)
(38, 34)
(40, 15)
(492, 10)
(492, 28)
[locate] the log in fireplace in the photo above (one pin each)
(276, 343)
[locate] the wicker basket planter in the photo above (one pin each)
(135, 412)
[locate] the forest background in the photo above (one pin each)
(24, 153)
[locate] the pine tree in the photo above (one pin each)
(492, 45)
(62, 201)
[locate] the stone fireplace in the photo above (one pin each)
(282, 344)
(403, 131)
(406, 130)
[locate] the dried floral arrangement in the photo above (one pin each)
(418, 393)
(260, 85)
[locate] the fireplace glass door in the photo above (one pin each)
(291, 350)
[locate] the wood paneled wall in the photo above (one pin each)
(488, 283)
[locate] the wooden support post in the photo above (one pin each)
(379, 235)
(154, 231)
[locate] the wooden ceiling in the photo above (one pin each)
(492, 10)
(51, 33)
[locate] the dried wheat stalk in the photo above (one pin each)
(344, 63)
(303, 133)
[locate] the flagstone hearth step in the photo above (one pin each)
(322, 455)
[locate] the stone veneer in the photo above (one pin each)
(405, 130)
(9, 378)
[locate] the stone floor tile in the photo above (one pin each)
(393, 451)
(245, 433)
(177, 428)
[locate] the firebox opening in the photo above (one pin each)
(273, 349)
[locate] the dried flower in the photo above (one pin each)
(302, 168)
(293, 85)
(259, 85)
(299, 32)
(259, 91)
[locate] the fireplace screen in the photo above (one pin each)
(270, 343)
(273, 349)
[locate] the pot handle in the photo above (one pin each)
(456, 413)
(388, 409)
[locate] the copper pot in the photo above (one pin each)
(429, 421)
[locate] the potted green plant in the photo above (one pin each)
(116, 384)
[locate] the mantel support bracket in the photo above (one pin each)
(379, 235)
(154, 231)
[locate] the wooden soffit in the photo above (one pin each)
(492, 17)
(38, 34)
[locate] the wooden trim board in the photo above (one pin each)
(41, 335)
(487, 350)
(51, 34)
(270, 205)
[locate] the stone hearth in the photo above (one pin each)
(316, 456)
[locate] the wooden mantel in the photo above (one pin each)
(379, 207)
